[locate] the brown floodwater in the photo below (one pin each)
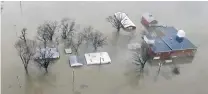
(119, 77)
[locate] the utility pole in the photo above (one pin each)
(2, 6)
(100, 63)
(21, 7)
(15, 30)
(73, 81)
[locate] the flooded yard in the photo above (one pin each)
(119, 77)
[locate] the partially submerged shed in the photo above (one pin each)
(73, 61)
(97, 58)
(125, 21)
(148, 20)
(47, 52)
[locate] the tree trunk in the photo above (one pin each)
(46, 69)
(25, 41)
(118, 29)
(46, 66)
(51, 37)
(71, 41)
(76, 52)
(95, 48)
(44, 43)
(142, 66)
(64, 36)
(26, 70)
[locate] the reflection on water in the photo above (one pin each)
(119, 77)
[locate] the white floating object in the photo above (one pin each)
(168, 61)
(74, 62)
(97, 58)
(148, 41)
(68, 51)
(174, 56)
(156, 57)
(181, 33)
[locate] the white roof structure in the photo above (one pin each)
(49, 53)
(97, 58)
(68, 51)
(148, 17)
(125, 21)
(74, 62)
(148, 41)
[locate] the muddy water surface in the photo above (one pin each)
(119, 77)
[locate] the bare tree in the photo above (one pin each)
(64, 27)
(23, 35)
(139, 60)
(43, 35)
(45, 55)
(176, 70)
(52, 28)
(77, 42)
(45, 58)
(98, 39)
(25, 51)
(87, 34)
(67, 26)
(49, 28)
(116, 23)
(57, 41)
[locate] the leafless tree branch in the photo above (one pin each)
(45, 58)
(98, 39)
(26, 51)
(47, 30)
(67, 27)
(23, 34)
(77, 42)
(116, 23)
(139, 60)
(87, 34)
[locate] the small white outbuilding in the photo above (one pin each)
(97, 58)
(125, 21)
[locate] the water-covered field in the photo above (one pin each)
(120, 76)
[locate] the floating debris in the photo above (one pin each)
(77, 92)
(18, 82)
(176, 71)
(9, 86)
(83, 86)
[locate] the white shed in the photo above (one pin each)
(73, 61)
(125, 21)
(97, 58)
(148, 19)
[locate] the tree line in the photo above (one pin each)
(47, 37)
